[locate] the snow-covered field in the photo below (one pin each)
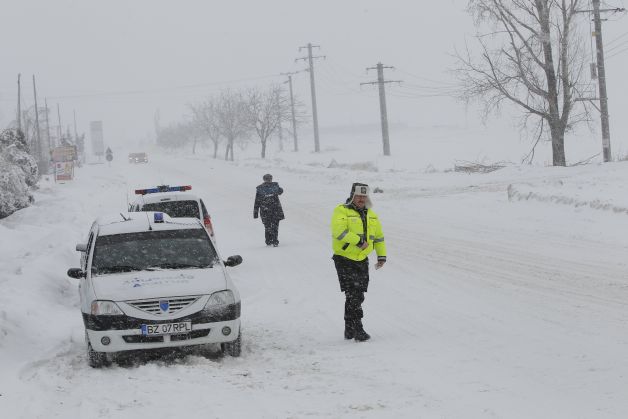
(505, 295)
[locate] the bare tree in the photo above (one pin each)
(175, 135)
(531, 57)
(205, 119)
(232, 119)
(266, 110)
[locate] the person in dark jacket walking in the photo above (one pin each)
(268, 206)
(356, 232)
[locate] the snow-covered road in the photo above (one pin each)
(487, 308)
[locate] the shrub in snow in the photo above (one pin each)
(25, 162)
(18, 173)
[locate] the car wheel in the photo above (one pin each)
(234, 348)
(95, 359)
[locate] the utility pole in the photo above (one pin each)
(59, 129)
(47, 122)
(601, 76)
(310, 58)
(19, 104)
(601, 71)
(294, 118)
(38, 148)
(279, 116)
(75, 131)
(382, 102)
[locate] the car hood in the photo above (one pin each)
(156, 284)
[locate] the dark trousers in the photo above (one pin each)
(272, 231)
(353, 305)
(353, 277)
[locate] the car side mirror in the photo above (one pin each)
(234, 260)
(81, 247)
(76, 273)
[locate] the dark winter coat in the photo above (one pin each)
(267, 202)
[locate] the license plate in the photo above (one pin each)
(166, 328)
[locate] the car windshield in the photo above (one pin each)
(151, 250)
(175, 208)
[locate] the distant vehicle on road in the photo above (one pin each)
(138, 158)
(174, 201)
(149, 281)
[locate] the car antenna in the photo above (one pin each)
(150, 228)
(124, 218)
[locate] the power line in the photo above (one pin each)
(425, 78)
(617, 39)
(161, 89)
(618, 46)
(617, 53)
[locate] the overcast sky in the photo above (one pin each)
(120, 60)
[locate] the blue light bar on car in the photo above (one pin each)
(163, 188)
(159, 217)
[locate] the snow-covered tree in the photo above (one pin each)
(266, 109)
(205, 120)
(232, 119)
(18, 172)
(530, 56)
(175, 135)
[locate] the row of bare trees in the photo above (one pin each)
(233, 117)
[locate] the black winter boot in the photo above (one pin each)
(349, 329)
(360, 334)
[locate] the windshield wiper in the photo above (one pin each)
(172, 265)
(117, 268)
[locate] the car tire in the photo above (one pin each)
(234, 348)
(95, 359)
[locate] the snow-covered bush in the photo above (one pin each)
(18, 173)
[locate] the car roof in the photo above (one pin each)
(151, 198)
(136, 222)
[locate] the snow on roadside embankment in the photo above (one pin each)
(598, 187)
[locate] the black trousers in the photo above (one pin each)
(353, 305)
(272, 231)
(353, 277)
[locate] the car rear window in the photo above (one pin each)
(175, 208)
(152, 250)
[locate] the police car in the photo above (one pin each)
(149, 281)
(174, 201)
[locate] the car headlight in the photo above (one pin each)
(106, 308)
(220, 299)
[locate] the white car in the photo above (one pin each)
(138, 158)
(174, 201)
(149, 281)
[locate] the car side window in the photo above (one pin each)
(85, 254)
(205, 213)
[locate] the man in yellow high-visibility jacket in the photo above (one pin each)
(356, 232)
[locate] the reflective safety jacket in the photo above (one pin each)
(349, 230)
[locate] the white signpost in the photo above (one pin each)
(98, 144)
